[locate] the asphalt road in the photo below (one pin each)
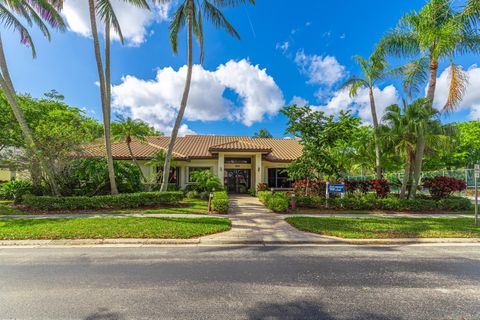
(322, 282)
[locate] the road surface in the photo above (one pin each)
(255, 282)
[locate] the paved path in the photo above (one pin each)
(253, 223)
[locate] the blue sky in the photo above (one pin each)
(300, 52)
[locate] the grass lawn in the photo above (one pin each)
(326, 211)
(100, 228)
(187, 206)
(382, 228)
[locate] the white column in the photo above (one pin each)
(258, 169)
(220, 167)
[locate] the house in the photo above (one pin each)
(240, 162)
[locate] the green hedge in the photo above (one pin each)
(389, 204)
(220, 202)
(277, 202)
(120, 201)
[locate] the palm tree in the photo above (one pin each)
(14, 15)
(127, 130)
(191, 13)
(158, 161)
(374, 69)
(437, 32)
(263, 133)
(104, 10)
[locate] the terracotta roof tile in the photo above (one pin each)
(203, 147)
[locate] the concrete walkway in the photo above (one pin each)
(253, 223)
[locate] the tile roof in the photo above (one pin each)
(202, 147)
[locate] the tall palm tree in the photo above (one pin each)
(263, 133)
(104, 10)
(14, 15)
(127, 130)
(374, 69)
(436, 33)
(191, 13)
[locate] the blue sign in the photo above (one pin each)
(336, 188)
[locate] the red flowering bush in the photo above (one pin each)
(262, 187)
(381, 187)
(351, 186)
(442, 187)
(309, 187)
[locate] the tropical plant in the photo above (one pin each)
(158, 162)
(191, 13)
(206, 181)
(15, 190)
(437, 32)
(104, 10)
(374, 69)
(442, 187)
(127, 130)
(14, 15)
(263, 133)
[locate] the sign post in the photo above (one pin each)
(334, 188)
(477, 175)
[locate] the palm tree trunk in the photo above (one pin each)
(378, 167)
(407, 172)
(103, 90)
(31, 148)
(420, 149)
(183, 104)
(135, 161)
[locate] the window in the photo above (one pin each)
(238, 160)
(173, 177)
(194, 169)
(278, 178)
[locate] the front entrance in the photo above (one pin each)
(237, 180)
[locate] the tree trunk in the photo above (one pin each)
(31, 148)
(135, 161)
(103, 89)
(183, 104)
(420, 149)
(378, 166)
(407, 172)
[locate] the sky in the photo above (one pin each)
(297, 53)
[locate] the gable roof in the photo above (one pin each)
(202, 147)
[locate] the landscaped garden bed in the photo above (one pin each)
(384, 228)
(220, 202)
(111, 228)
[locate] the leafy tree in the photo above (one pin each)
(14, 15)
(191, 13)
(127, 130)
(322, 137)
(467, 150)
(437, 32)
(104, 10)
(263, 133)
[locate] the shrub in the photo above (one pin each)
(442, 187)
(191, 194)
(262, 187)
(252, 192)
(381, 187)
(206, 181)
(220, 202)
(309, 187)
(278, 202)
(119, 201)
(15, 190)
(263, 195)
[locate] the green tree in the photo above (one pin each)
(263, 133)
(127, 130)
(437, 32)
(191, 13)
(467, 148)
(374, 69)
(158, 162)
(104, 10)
(323, 139)
(14, 15)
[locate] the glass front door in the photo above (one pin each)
(237, 180)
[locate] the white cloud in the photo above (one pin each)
(157, 101)
(360, 104)
(471, 100)
(133, 21)
(299, 101)
(322, 70)
(283, 46)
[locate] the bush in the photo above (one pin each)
(262, 187)
(206, 181)
(309, 187)
(442, 187)
(263, 195)
(371, 202)
(15, 190)
(119, 201)
(220, 202)
(381, 187)
(277, 202)
(252, 192)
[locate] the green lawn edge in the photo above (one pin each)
(387, 228)
(111, 228)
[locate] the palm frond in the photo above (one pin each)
(9, 20)
(458, 86)
(178, 22)
(107, 14)
(354, 84)
(210, 12)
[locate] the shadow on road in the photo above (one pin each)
(104, 314)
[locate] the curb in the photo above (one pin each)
(220, 242)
